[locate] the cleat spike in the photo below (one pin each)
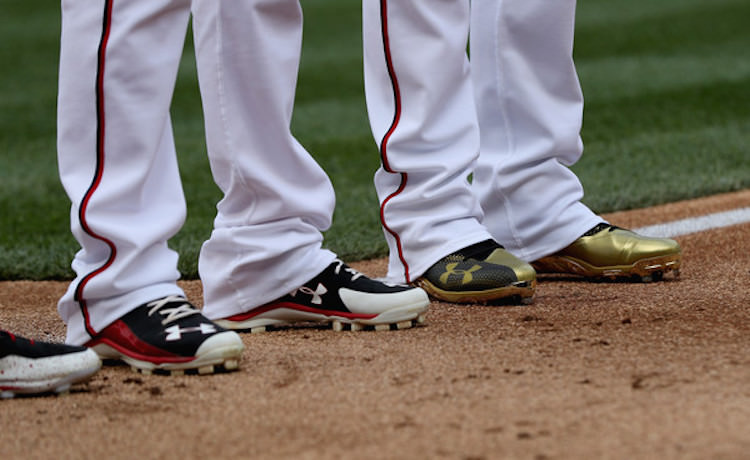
(258, 329)
(356, 327)
(177, 373)
(63, 390)
(231, 364)
(145, 371)
(404, 325)
(420, 319)
(382, 327)
(337, 325)
(206, 370)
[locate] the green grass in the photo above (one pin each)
(667, 87)
(667, 90)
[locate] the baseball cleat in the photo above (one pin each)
(342, 297)
(609, 252)
(170, 336)
(481, 273)
(33, 367)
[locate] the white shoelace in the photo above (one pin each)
(172, 314)
(340, 263)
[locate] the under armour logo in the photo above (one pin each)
(316, 294)
(466, 275)
(175, 332)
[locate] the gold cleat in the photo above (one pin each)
(481, 273)
(611, 252)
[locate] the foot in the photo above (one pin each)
(342, 297)
(481, 273)
(611, 252)
(169, 335)
(34, 367)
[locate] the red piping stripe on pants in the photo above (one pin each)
(387, 136)
(100, 156)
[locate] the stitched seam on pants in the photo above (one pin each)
(502, 89)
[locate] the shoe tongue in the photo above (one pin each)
(481, 250)
(598, 228)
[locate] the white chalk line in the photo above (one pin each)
(696, 224)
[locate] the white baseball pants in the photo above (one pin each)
(511, 116)
(117, 160)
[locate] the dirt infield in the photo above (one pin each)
(590, 370)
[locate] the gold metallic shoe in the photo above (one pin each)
(481, 273)
(607, 251)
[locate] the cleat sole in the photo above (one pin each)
(522, 291)
(645, 270)
(339, 326)
(222, 350)
(400, 317)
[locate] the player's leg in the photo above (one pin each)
(530, 109)
(266, 241)
(35, 367)
(422, 114)
(118, 66)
